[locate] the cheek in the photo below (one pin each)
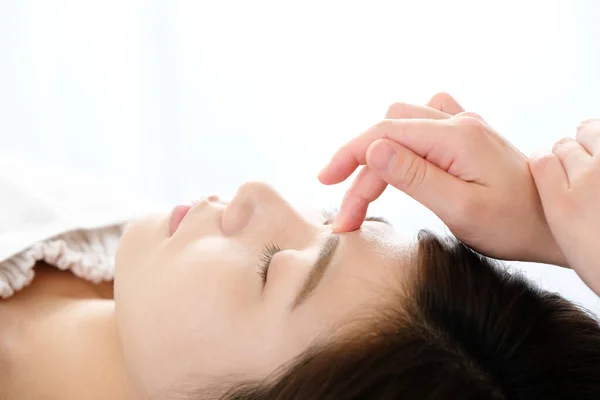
(139, 242)
(197, 304)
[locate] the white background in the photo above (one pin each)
(174, 99)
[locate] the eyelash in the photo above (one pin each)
(265, 260)
(271, 249)
(328, 216)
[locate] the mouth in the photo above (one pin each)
(177, 215)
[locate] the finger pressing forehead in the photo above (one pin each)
(418, 135)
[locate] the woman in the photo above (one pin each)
(251, 299)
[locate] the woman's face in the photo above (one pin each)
(196, 302)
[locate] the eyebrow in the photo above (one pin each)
(318, 270)
(323, 261)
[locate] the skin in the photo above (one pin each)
(490, 195)
(58, 340)
(455, 164)
(568, 180)
(190, 308)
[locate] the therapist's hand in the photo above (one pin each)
(459, 168)
(568, 181)
(370, 183)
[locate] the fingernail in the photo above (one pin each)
(344, 220)
(339, 220)
(383, 157)
(336, 225)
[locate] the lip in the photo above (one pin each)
(180, 211)
(177, 215)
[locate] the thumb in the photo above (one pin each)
(431, 186)
(550, 179)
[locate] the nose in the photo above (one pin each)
(257, 191)
(259, 205)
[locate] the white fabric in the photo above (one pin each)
(70, 221)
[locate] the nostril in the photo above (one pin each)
(213, 198)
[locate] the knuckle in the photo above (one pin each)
(588, 129)
(471, 128)
(540, 162)
(384, 124)
(398, 110)
(470, 114)
(441, 98)
(589, 121)
(411, 173)
(562, 144)
(468, 122)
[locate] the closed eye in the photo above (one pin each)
(265, 260)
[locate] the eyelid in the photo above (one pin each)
(328, 215)
(267, 255)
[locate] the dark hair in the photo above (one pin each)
(468, 329)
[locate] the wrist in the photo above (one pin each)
(550, 253)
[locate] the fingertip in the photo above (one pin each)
(351, 215)
(322, 176)
(337, 170)
(343, 225)
(329, 175)
(329, 178)
(338, 227)
(339, 222)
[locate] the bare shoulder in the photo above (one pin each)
(42, 304)
(49, 290)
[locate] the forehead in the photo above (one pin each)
(369, 264)
(373, 252)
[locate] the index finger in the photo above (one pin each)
(418, 135)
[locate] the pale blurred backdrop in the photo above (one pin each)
(176, 99)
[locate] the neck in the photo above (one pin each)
(75, 354)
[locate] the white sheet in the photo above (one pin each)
(38, 202)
